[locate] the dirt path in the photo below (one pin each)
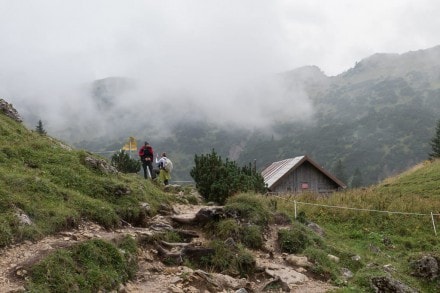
(153, 276)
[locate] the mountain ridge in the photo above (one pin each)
(392, 112)
(377, 117)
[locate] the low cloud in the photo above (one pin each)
(101, 109)
(195, 61)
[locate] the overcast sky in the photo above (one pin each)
(48, 45)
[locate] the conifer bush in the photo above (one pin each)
(40, 129)
(216, 180)
(435, 143)
(122, 161)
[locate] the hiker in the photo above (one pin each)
(165, 168)
(146, 154)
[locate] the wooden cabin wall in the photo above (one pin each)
(305, 174)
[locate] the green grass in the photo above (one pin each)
(233, 260)
(249, 207)
(90, 266)
(249, 235)
(297, 238)
(380, 239)
(50, 183)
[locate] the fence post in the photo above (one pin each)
(433, 224)
(295, 207)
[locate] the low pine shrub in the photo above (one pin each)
(216, 180)
(124, 163)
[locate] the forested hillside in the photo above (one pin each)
(377, 117)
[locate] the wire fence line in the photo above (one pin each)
(367, 210)
(296, 203)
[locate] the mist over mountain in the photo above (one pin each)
(377, 117)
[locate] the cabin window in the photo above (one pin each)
(304, 185)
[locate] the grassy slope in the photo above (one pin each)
(50, 183)
(386, 242)
(383, 239)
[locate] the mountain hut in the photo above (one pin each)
(300, 174)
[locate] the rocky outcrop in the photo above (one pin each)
(316, 228)
(387, 284)
(283, 275)
(426, 267)
(9, 111)
(100, 165)
(203, 216)
(22, 217)
(298, 261)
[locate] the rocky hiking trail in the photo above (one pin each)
(287, 273)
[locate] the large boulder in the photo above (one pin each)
(203, 216)
(298, 261)
(206, 215)
(9, 111)
(285, 275)
(426, 267)
(387, 284)
(316, 228)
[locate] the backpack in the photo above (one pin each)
(168, 166)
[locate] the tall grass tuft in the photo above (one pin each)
(249, 207)
(91, 266)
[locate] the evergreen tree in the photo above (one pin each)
(40, 129)
(216, 179)
(340, 172)
(123, 163)
(357, 179)
(435, 143)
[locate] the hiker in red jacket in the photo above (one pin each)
(146, 154)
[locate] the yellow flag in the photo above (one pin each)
(130, 145)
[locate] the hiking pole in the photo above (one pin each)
(433, 224)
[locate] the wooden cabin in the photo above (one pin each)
(300, 174)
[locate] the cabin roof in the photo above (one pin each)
(275, 171)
